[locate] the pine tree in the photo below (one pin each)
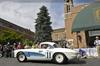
(42, 28)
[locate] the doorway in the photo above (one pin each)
(91, 41)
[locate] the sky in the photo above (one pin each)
(24, 12)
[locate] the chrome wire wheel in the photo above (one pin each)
(59, 58)
(21, 57)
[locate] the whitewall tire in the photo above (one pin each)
(21, 57)
(59, 58)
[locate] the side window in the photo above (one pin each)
(44, 46)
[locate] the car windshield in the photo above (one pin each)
(56, 46)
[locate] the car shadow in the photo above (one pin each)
(77, 62)
(49, 62)
(38, 62)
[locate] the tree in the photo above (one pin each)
(8, 35)
(42, 27)
(27, 42)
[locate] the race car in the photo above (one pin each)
(48, 51)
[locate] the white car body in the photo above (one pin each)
(47, 54)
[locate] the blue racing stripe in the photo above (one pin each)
(33, 54)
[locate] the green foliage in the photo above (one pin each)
(43, 28)
(8, 35)
(27, 42)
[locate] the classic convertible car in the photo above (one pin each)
(48, 51)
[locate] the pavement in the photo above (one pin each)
(82, 62)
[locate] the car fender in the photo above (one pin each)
(53, 54)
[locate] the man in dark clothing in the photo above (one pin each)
(11, 51)
(1, 50)
(5, 50)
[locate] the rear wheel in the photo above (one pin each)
(21, 57)
(59, 58)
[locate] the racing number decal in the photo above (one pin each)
(48, 54)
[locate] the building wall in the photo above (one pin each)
(79, 39)
(58, 34)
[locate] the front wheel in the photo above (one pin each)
(59, 58)
(21, 57)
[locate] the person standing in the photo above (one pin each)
(20, 46)
(5, 51)
(97, 44)
(1, 48)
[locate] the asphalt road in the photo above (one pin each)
(14, 62)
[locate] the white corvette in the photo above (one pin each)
(48, 51)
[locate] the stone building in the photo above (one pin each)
(82, 23)
(69, 19)
(58, 34)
